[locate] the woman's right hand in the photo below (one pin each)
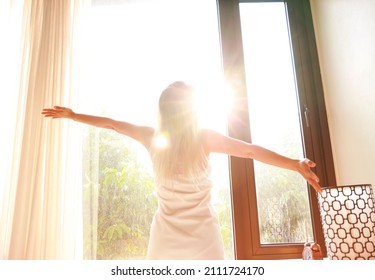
(304, 168)
(58, 112)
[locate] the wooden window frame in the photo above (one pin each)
(316, 136)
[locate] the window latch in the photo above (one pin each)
(307, 116)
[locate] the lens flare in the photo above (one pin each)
(161, 141)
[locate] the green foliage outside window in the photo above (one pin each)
(283, 206)
(123, 191)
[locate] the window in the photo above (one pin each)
(269, 56)
(282, 198)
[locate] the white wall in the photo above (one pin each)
(345, 34)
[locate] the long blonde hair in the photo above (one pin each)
(177, 147)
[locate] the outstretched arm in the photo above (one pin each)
(140, 133)
(216, 142)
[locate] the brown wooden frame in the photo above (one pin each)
(315, 133)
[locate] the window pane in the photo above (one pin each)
(134, 50)
(283, 207)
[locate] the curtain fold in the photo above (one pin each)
(40, 185)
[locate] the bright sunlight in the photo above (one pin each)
(134, 50)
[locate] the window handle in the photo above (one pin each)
(307, 116)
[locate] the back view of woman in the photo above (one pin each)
(185, 226)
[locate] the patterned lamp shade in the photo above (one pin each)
(348, 218)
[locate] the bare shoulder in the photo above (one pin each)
(146, 135)
(142, 134)
(216, 142)
(211, 139)
(208, 133)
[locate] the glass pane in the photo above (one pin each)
(134, 50)
(283, 207)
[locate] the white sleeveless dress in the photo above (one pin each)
(185, 225)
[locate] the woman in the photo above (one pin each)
(185, 226)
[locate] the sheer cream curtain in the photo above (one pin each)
(40, 172)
